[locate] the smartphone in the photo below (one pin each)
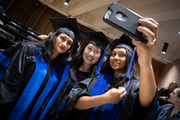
(124, 20)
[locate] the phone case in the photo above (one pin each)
(124, 20)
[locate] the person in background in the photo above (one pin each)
(30, 73)
(82, 66)
(170, 111)
(118, 93)
(164, 93)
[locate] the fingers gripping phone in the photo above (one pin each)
(124, 20)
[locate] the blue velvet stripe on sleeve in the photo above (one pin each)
(1, 75)
(4, 61)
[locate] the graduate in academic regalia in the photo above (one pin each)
(90, 57)
(82, 66)
(30, 73)
(118, 93)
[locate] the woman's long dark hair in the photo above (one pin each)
(120, 79)
(47, 46)
(77, 61)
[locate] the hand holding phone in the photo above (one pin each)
(124, 20)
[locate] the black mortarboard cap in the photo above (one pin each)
(125, 42)
(66, 23)
(99, 39)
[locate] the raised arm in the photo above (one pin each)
(147, 90)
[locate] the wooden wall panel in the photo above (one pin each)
(158, 68)
(32, 13)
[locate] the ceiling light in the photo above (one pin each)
(165, 48)
(66, 2)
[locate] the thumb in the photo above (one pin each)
(121, 89)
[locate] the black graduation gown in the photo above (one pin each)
(16, 74)
(57, 105)
(131, 109)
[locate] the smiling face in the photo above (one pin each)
(63, 43)
(118, 59)
(91, 54)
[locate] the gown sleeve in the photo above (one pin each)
(18, 57)
(132, 110)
